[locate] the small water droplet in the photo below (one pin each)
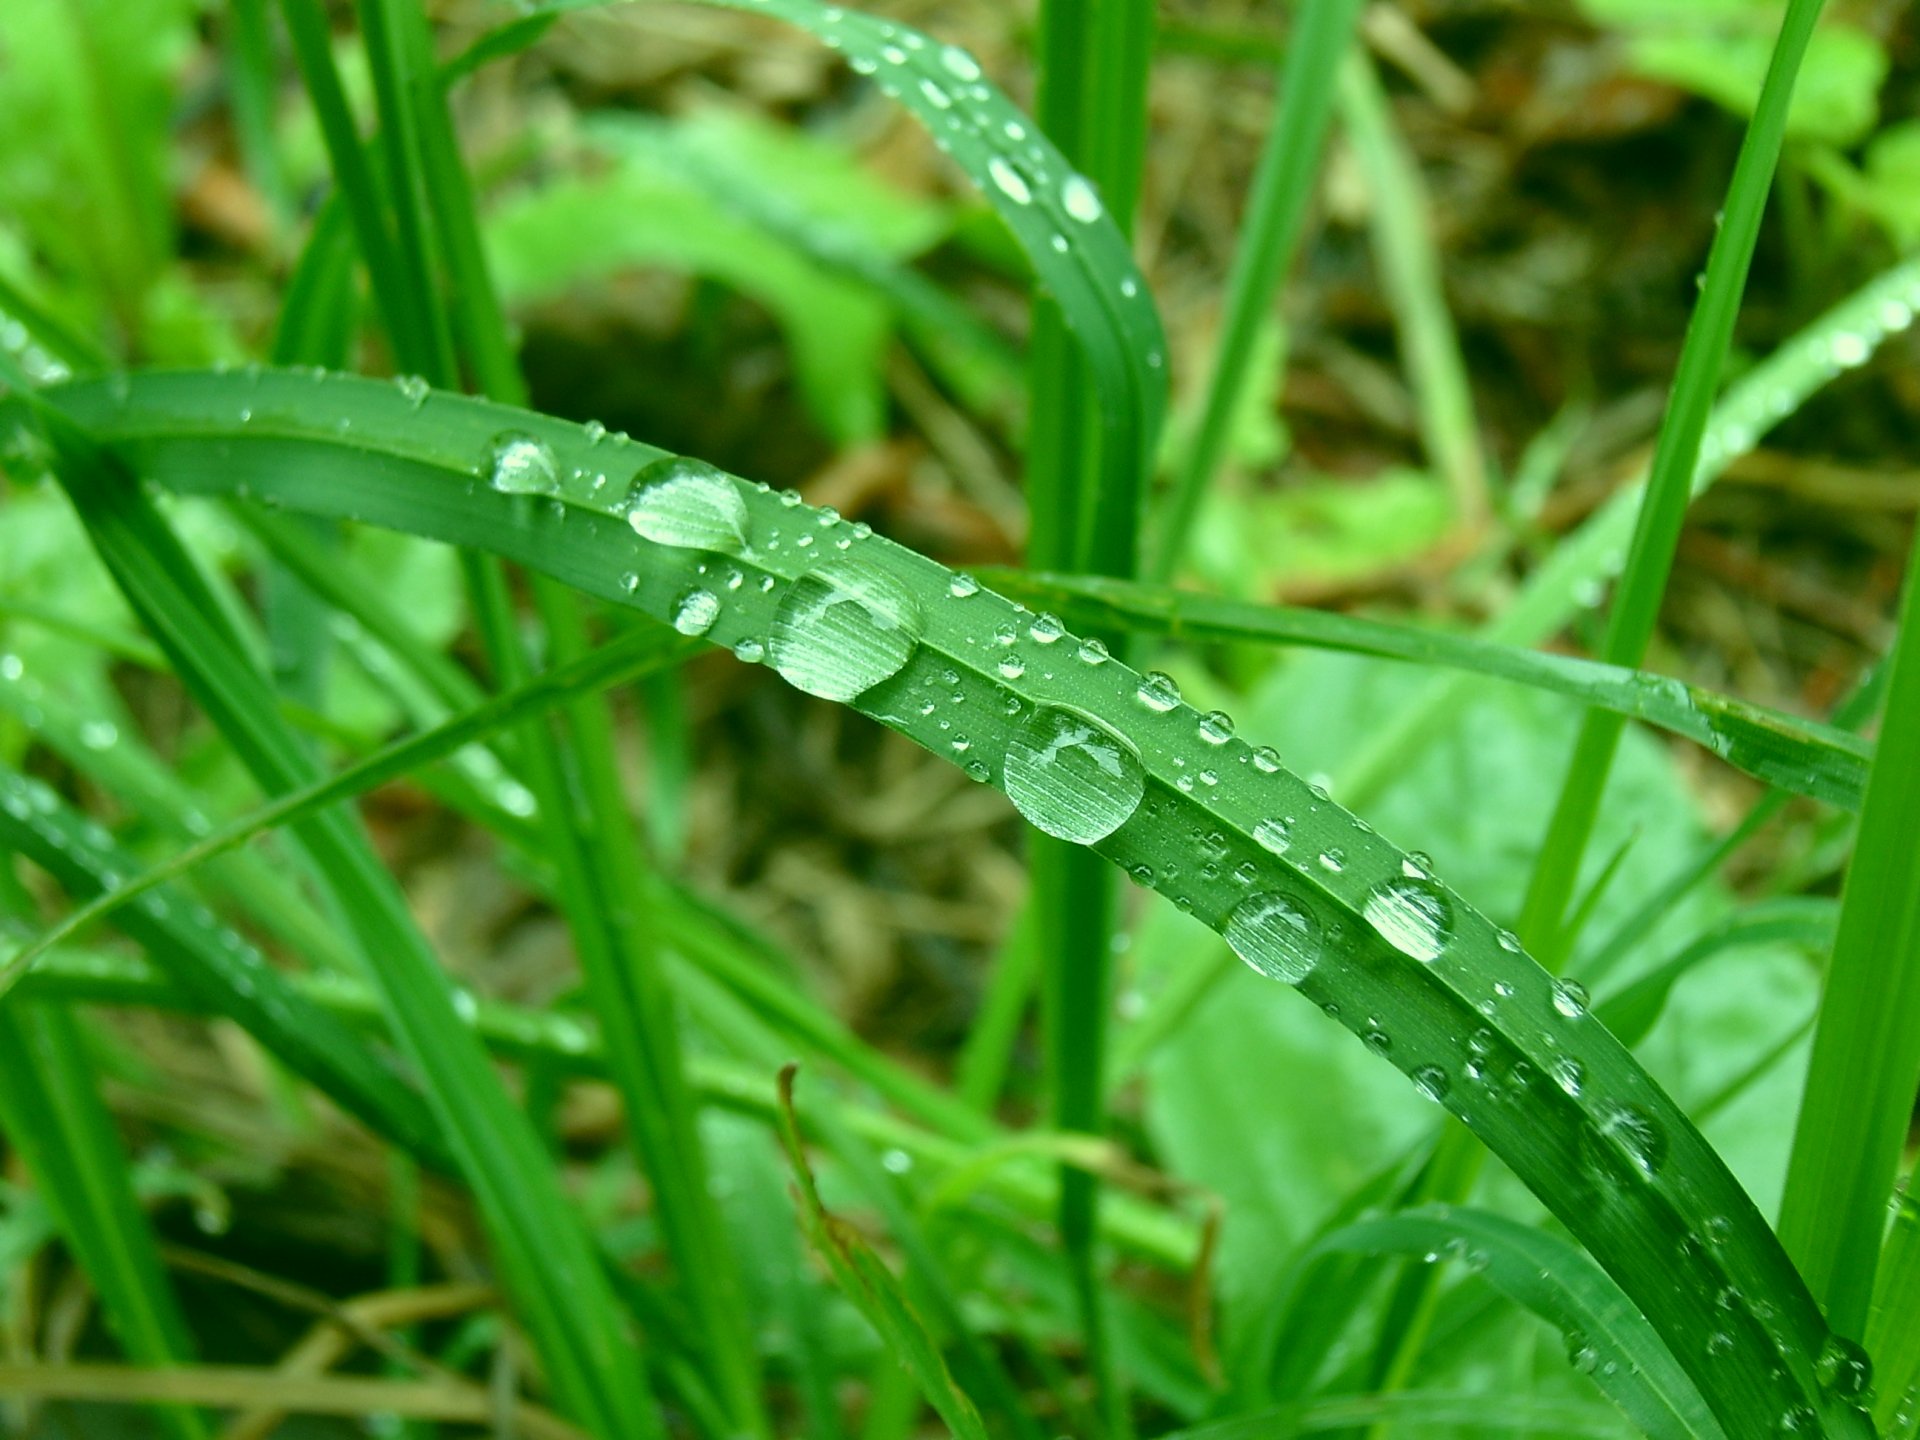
(1377, 1040)
(961, 586)
(1432, 1082)
(1333, 860)
(413, 389)
(520, 464)
(1216, 727)
(695, 611)
(1850, 350)
(842, 629)
(1843, 1369)
(1417, 864)
(1092, 652)
(1636, 1133)
(689, 504)
(1568, 1073)
(936, 97)
(1012, 667)
(1046, 629)
(1276, 935)
(751, 651)
(1157, 691)
(1071, 776)
(1273, 833)
(1798, 1420)
(959, 63)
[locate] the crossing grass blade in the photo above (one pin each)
(1269, 236)
(1893, 1325)
(1851, 1136)
(1841, 339)
(51, 1110)
(547, 1260)
(1800, 756)
(1607, 1338)
(1618, 1163)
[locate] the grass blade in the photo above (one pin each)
(53, 1115)
(1801, 756)
(1854, 1117)
(1893, 1325)
(1618, 1163)
(1269, 236)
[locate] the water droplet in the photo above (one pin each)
(1377, 1040)
(959, 63)
(1081, 200)
(695, 612)
(1009, 180)
(1092, 652)
(1581, 1353)
(1432, 1082)
(99, 734)
(1509, 941)
(1850, 350)
(1046, 629)
(1071, 776)
(1266, 760)
(1276, 935)
(687, 503)
(1012, 668)
(1157, 691)
(936, 97)
(842, 629)
(1635, 1132)
(1216, 727)
(751, 651)
(522, 465)
(1333, 860)
(1843, 1369)
(1274, 834)
(413, 390)
(1568, 1073)
(1413, 916)
(961, 586)
(1417, 864)
(1798, 1420)
(1569, 998)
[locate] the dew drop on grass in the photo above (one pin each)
(1080, 199)
(695, 612)
(687, 503)
(1010, 182)
(842, 629)
(1276, 935)
(1843, 1369)
(1071, 776)
(1432, 1082)
(1216, 727)
(1266, 760)
(1273, 834)
(1092, 652)
(1412, 915)
(1568, 1073)
(1632, 1131)
(520, 464)
(959, 63)
(413, 390)
(1046, 629)
(962, 586)
(1569, 999)
(1158, 692)
(1798, 1420)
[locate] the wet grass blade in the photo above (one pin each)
(1411, 968)
(1852, 1132)
(1893, 1325)
(1269, 237)
(1801, 756)
(51, 1110)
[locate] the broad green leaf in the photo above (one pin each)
(1087, 748)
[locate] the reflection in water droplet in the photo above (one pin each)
(695, 612)
(519, 464)
(1071, 776)
(842, 629)
(1276, 935)
(1158, 692)
(687, 503)
(1413, 916)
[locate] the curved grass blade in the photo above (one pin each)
(1802, 756)
(1470, 1412)
(1298, 884)
(52, 1113)
(1606, 1336)
(546, 1256)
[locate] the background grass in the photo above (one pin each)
(1063, 1164)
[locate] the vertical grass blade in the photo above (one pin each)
(54, 1117)
(1865, 1067)
(1676, 459)
(1893, 1327)
(1269, 237)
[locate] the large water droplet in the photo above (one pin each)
(1843, 1369)
(842, 629)
(1071, 776)
(523, 465)
(1276, 935)
(1080, 199)
(1412, 915)
(687, 503)
(695, 612)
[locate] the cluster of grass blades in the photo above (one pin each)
(1676, 1296)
